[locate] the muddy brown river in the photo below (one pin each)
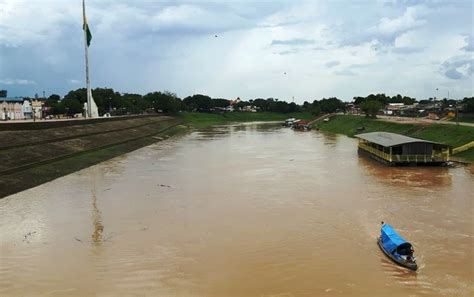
(241, 210)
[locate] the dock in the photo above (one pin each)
(395, 149)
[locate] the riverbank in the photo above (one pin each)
(448, 134)
(33, 153)
(31, 157)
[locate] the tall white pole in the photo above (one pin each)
(88, 85)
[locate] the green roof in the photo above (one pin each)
(388, 139)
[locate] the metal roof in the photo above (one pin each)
(388, 139)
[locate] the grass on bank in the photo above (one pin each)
(202, 120)
(448, 134)
(466, 155)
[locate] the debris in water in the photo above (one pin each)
(77, 239)
(27, 236)
(165, 186)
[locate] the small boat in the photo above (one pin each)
(301, 125)
(396, 247)
(289, 122)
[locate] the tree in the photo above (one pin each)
(80, 95)
(218, 102)
(72, 106)
(198, 102)
(371, 108)
(54, 98)
(166, 102)
(3, 93)
(468, 104)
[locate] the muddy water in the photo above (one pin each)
(247, 210)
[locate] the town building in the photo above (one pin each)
(19, 108)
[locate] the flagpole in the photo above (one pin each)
(88, 86)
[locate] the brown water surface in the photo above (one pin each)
(244, 210)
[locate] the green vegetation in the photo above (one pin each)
(201, 120)
(371, 108)
(464, 117)
(443, 133)
(466, 155)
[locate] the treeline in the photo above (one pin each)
(110, 101)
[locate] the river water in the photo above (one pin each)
(243, 210)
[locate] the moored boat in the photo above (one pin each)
(301, 125)
(289, 122)
(396, 247)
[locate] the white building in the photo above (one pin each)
(18, 108)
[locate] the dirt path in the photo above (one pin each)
(403, 120)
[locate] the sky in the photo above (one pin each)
(291, 50)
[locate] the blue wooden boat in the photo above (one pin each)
(396, 247)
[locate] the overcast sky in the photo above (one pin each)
(282, 49)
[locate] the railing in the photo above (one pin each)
(462, 148)
(375, 151)
(438, 157)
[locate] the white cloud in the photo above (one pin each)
(410, 19)
(73, 81)
(15, 81)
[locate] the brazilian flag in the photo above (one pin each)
(85, 27)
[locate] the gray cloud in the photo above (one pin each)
(345, 72)
(458, 67)
(470, 44)
(453, 74)
(288, 52)
(332, 64)
(407, 50)
(296, 41)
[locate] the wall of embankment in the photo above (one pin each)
(35, 153)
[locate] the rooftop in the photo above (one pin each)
(388, 139)
(12, 99)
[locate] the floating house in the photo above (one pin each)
(395, 149)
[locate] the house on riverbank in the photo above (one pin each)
(395, 149)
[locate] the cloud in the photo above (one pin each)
(288, 52)
(470, 43)
(407, 50)
(345, 72)
(296, 41)
(10, 81)
(332, 64)
(386, 29)
(458, 67)
(143, 46)
(453, 74)
(73, 81)
(410, 19)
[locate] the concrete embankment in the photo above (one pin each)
(34, 153)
